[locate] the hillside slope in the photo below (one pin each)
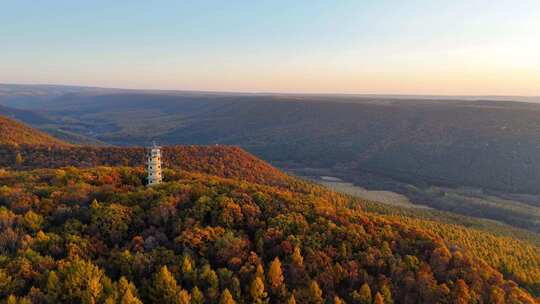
(223, 161)
(16, 133)
(26, 116)
(98, 235)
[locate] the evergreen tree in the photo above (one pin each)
(256, 290)
(164, 288)
(53, 287)
(11, 299)
(112, 300)
(275, 276)
(297, 258)
(197, 296)
(81, 282)
(363, 296)
(236, 289)
(211, 281)
(226, 297)
(124, 286)
(338, 300)
(188, 275)
(315, 293)
(378, 299)
(260, 271)
(184, 297)
(24, 300)
(129, 298)
(127, 292)
(387, 294)
(291, 300)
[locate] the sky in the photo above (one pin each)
(460, 47)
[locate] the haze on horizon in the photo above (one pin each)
(368, 47)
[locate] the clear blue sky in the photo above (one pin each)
(409, 47)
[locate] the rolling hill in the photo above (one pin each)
(79, 225)
(72, 234)
(469, 156)
(16, 133)
(223, 161)
(450, 142)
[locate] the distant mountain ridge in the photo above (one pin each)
(7, 90)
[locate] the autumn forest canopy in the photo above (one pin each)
(80, 226)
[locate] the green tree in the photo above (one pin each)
(53, 287)
(32, 221)
(387, 294)
(197, 296)
(363, 296)
(127, 292)
(81, 282)
(6, 283)
(164, 288)
(210, 280)
(111, 220)
(236, 288)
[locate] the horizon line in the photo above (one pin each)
(247, 92)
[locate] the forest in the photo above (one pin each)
(98, 235)
(78, 225)
(224, 161)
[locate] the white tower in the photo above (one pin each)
(154, 165)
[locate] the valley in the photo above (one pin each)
(472, 157)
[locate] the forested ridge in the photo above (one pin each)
(97, 235)
(224, 161)
(16, 133)
(79, 226)
(514, 252)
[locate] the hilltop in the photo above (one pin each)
(16, 133)
(223, 161)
